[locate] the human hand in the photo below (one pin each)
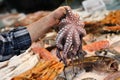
(57, 14)
(40, 27)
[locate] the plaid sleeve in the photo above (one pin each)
(13, 42)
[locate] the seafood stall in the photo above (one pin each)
(84, 46)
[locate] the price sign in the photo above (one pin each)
(93, 5)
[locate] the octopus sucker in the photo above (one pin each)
(68, 44)
(61, 34)
(69, 38)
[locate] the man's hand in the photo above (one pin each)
(40, 27)
(57, 14)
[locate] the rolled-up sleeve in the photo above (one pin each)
(13, 42)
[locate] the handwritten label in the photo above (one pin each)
(93, 5)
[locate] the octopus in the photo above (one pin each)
(69, 38)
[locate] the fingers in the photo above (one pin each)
(67, 7)
(60, 12)
(64, 8)
(55, 16)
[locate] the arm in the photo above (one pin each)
(40, 27)
(18, 39)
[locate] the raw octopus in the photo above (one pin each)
(69, 38)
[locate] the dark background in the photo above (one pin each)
(28, 6)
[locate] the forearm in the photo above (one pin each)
(40, 27)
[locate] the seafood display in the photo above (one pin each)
(44, 70)
(18, 64)
(49, 40)
(91, 76)
(112, 18)
(96, 46)
(7, 22)
(28, 63)
(92, 67)
(10, 21)
(69, 38)
(93, 17)
(99, 63)
(109, 53)
(113, 76)
(102, 45)
(87, 47)
(112, 29)
(43, 53)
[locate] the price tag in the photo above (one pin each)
(93, 5)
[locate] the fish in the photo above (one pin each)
(69, 74)
(83, 75)
(43, 52)
(98, 66)
(116, 46)
(113, 76)
(3, 64)
(111, 51)
(112, 29)
(44, 70)
(16, 62)
(26, 65)
(91, 76)
(88, 78)
(98, 63)
(96, 45)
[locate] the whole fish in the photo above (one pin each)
(90, 65)
(110, 52)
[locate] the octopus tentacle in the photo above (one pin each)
(67, 46)
(76, 43)
(81, 30)
(71, 57)
(69, 14)
(68, 42)
(62, 23)
(81, 24)
(58, 54)
(60, 36)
